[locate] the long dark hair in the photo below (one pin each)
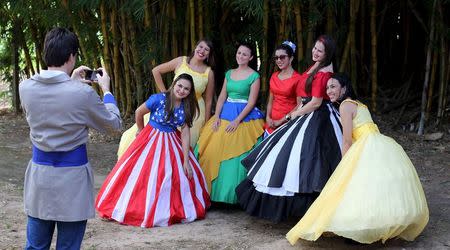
(190, 103)
(345, 82)
(210, 61)
(330, 47)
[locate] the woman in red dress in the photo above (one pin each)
(283, 85)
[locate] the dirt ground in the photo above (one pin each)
(223, 228)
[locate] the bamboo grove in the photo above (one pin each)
(396, 52)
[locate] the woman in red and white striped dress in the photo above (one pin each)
(158, 181)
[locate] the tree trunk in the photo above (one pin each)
(37, 45)
(265, 56)
(192, 15)
(105, 34)
(299, 32)
(26, 51)
(432, 82)
(406, 37)
(311, 25)
(427, 73)
(345, 53)
(126, 64)
(374, 59)
(353, 61)
(118, 87)
(444, 68)
(15, 57)
(148, 25)
(330, 18)
(186, 36)
(84, 51)
(174, 40)
(362, 43)
(282, 27)
(137, 66)
(200, 18)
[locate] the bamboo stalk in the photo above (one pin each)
(345, 54)
(311, 26)
(200, 18)
(105, 34)
(443, 80)
(186, 37)
(282, 26)
(118, 88)
(192, 22)
(431, 85)
(427, 73)
(374, 59)
(299, 32)
(362, 43)
(264, 55)
(15, 58)
(136, 65)
(26, 51)
(126, 64)
(354, 67)
(330, 19)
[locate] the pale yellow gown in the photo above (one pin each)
(200, 83)
(374, 193)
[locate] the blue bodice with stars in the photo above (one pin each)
(156, 105)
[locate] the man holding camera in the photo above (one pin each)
(59, 181)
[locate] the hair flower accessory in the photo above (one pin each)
(290, 44)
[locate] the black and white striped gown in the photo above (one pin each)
(290, 167)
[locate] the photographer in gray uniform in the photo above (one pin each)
(59, 181)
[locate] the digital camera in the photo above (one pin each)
(91, 75)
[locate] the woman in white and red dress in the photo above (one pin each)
(158, 181)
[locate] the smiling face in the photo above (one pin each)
(318, 52)
(202, 50)
(182, 88)
(334, 90)
(282, 59)
(243, 55)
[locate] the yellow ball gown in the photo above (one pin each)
(374, 193)
(200, 83)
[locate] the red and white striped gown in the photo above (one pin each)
(148, 186)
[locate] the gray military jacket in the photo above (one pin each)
(60, 112)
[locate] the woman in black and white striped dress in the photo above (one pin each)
(289, 168)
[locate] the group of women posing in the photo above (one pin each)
(176, 159)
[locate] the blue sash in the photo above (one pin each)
(73, 158)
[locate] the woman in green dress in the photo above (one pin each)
(234, 129)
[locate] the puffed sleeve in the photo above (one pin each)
(153, 101)
(319, 84)
(300, 85)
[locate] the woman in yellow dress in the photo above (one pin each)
(374, 193)
(199, 65)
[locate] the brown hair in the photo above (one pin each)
(190, 103)
(330, 47)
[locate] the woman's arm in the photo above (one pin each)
(347, 111)
(139, 116)
(165, 68)
(307, 108)
(209, 94)
(185, 142)
(220, 101)
(254, 90)
(269, 120)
